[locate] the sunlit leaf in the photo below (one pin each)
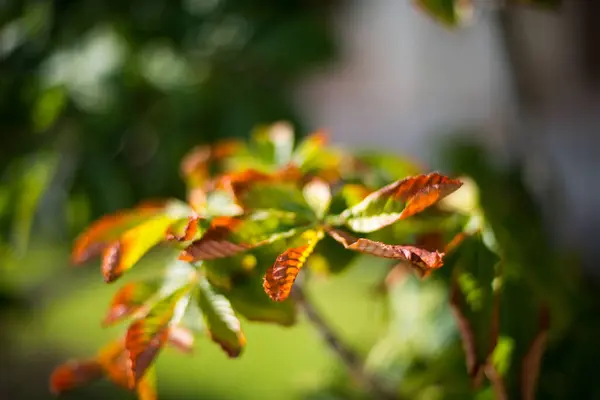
(221, 321)
(181, 338)
(398, 200)
(146, 387)
(318, 196)
(274, 143)
(186, 229)
(74, 374)
(425, 261)
(280, 278)
(121, 255)
(129, 299)
(448, 12)
(146, 336)
(106, 230)
(228, 235)
(310, 149)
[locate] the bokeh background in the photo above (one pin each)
(99, 100)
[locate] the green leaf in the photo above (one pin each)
(318, 196)
(448, 12)
(228, 236)
(221, 321)
(146, 336)
(475, 301)
(273, 144)
(396, 201)
(278, 195)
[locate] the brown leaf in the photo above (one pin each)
(422, 259)
(73, 374)
(530, 366)
(214, 243)
(107, 229)
(280, 277)
(143, 348)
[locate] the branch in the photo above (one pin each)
(349, 358)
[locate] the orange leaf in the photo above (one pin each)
(214, 243)
(280, 277)
(146, 388)
(73, 374)
(107, 229)
(189, 231)
(115, 362)
(129, 299)
(425, 261)
(121, 255)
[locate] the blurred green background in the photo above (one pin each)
(99, 100)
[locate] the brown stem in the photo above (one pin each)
(351, 360)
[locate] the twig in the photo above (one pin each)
(351, 360)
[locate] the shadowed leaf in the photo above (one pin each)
(107, 229)
(121, 255)
(398, 200)
(228, 235)
(146, 336)
(74, 374)
(531, 363)
(221, 321)
(129, 299)
(280, 278)
(425, 261)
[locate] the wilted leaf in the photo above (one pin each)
(74, 374)
(398, 200)
(280, 278)
(448, 12)
(121, 255)
(146, 336)
(318, 196)
(425, 261)
(228, 235)
(221, 321)
(106, 230)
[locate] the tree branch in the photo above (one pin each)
(349, 358)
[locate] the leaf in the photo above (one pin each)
(398, 200)
(129, 299)
(185, 230)
(475, 301)
(318, 196)
(274, 144)
(146, 336)
(423, 260)
(285, 196)
(121, 255)
(309, 149)
(280, 278)
(106, 230)
(146, 388)
(115, 362)
(228, 236)
(181, 338)
(221, 321)
(74, 374)
(448, 12)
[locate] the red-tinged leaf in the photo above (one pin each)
(280, 278)
(74, 374)
(228, 236)
(146, 336)
(425, 261)
(181, 338)
(530, 366)
(146, 388)
(185, 230)
(194, 166)
(398, 200)
(106, 230)
(115, 362)
(221, 322)
(129, 299)
(121, 255)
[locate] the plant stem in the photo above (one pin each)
(349, 358)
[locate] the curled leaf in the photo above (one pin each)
(398, 200)
(129, 299)
(280, 278)
(121, 255)
(146, 336)
(222, 323)
(107, 229)
(228, 236)
(74, 374)
(425, 261)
